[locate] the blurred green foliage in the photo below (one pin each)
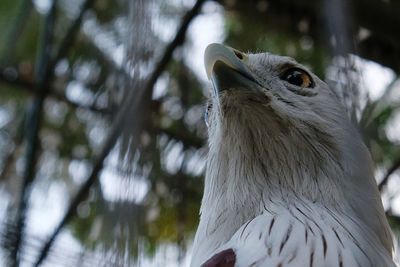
(91, 84)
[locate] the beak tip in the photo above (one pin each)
(229, 56)
(211, 55)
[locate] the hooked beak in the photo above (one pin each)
(226, 68)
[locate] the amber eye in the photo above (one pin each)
(298, 77)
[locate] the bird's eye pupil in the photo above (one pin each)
(295, 78)
(298, 77)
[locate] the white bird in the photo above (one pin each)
(289, 181)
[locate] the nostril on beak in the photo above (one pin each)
(238, 54)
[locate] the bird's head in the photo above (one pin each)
(272, 122)
(278, 134)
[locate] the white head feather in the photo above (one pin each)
(272, 140)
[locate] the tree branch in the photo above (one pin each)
(28, 86)
(390, 171)
(69, 37)
(393, 218)
(187, 138)
(11, 77)
(123, 114)
(32, 131)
